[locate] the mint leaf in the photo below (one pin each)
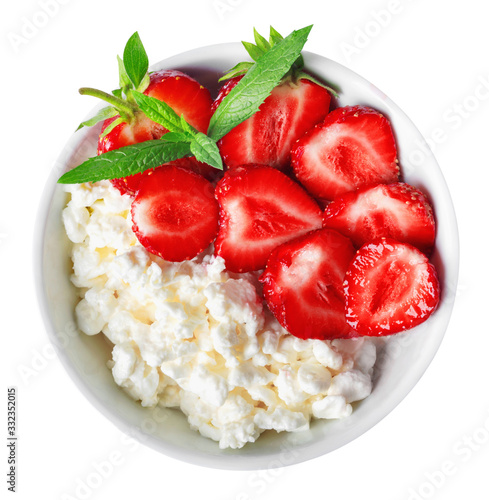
(159, 112)
(125, 161)
(175, 137)
(191, 131)
(275, 37)
(206, 150)
(103, 114)
(245, 99)
(135, 60)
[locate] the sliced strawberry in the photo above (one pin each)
(353, 147)
(182, 93)
(397, 211)
(286, 114)
(260, 208)
(303, 285)
(389, 287)
(174, 213)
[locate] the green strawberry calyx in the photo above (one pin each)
(133, 76)
(262, 46)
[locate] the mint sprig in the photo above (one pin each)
(202, 147)
(274, 59)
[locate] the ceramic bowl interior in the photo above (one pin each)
(399, 367)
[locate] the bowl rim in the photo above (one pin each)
(235, 462)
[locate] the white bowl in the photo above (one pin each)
(398, 369)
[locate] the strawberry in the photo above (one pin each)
(175, 213)
(292, 108)
(303, 285)
(122, 135)
(260, 208)
(182, 93)
(266, 138)
(389, 287)
(397, 211)
(352, 148)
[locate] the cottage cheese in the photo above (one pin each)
(194, 336)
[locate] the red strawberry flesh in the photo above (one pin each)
(389, 287)
(260, 208)
(352, 148)
(303, 285)
(175, 213)
(397, 211)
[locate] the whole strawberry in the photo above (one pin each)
(125, 124)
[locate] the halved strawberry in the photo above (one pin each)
(288, 112)
(182, 93)
(353, 147)
(260, 208)
(397, 211)
(174, 213)
(389, 287)
(303, 285)
(293, 107)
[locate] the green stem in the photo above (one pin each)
(126, 109)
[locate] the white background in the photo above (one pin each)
(430, 57)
